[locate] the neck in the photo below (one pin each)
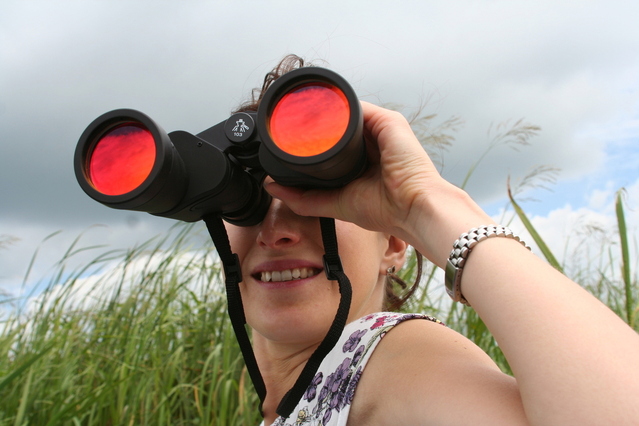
(280, 365)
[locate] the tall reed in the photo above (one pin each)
(147, 343)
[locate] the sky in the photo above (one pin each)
(569, 67)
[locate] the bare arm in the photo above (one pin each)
(575, 361)
(425, 374)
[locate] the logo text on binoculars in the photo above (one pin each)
(240, 128)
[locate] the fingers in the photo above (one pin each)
(317, 203)
(391, 133)
(383, 123)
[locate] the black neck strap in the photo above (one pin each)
(233, 276)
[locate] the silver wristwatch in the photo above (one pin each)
(461, 250)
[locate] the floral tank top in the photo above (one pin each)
(327, 400)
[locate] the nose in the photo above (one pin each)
(281, 228)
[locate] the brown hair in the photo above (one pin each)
(287, 64)
(394, 298)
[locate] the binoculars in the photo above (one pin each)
(307, 132)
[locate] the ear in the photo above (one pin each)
(395, 254)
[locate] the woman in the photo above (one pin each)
(574, 361)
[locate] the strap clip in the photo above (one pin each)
(233, 270)
(332, 265)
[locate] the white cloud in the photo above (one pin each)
(601, 198)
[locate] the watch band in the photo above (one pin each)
(462, 248)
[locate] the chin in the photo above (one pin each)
(291, 325)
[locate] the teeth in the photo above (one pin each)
(287, 274)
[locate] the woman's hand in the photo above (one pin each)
(401, 193)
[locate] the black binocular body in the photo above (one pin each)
(307, 132)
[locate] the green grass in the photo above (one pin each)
(148, 344)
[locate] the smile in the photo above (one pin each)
(288, 274)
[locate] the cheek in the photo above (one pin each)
(361, 251)
(241, 239)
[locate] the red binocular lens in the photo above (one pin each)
(121, 159)
(124, 159)
(310, 121)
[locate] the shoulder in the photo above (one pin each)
(425, 373)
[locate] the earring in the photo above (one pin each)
(390, 270)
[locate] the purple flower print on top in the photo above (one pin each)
(353, 341)
(327, 417)
(358, 355)
(339, 375)
(311, 391)
(352, 385)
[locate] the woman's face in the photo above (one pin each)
(286, 295)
